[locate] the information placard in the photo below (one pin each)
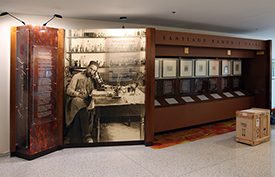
(216, 96)
(188, 99)
(239, 93)
(171, 101)
(157, 103)
(202, 97)
(227, 94)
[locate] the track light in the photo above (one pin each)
(123, 19)
(55, 15)
(6, 13)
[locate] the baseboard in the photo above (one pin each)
(34, 156)
(2, 154)
(119, 143)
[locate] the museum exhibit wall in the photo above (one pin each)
(66, 23)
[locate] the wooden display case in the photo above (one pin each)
(212, 97)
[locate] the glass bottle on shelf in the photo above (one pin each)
(72, 62)
(101, 48)
(81, 48)
(83, 61)
(80, 61)
(88, 47)
(98, 48)
(93, 48)
(76, 63)
(138, 33)
(77, 48)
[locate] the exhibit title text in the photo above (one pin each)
(213, 41)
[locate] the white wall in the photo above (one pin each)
(67, 23)
(273, 81)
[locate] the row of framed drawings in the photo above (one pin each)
(173, 68)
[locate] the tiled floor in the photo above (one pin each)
(217, 156)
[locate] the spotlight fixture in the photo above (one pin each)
(55, 15)
(6, 13)
(123, 19)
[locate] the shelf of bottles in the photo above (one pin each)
(84, 45)
(120, 53)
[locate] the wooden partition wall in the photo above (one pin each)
(256, 79)
(36, 112)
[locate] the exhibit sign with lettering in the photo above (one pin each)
(201, 40)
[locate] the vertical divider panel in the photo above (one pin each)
(150, 86)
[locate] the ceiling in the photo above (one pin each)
(242, 17)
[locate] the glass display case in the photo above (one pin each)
(197, 76)
(36, 88)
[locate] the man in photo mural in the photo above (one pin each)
(79, 106)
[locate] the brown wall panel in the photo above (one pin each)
(257, 75)
(178, 51)
(169, 118)
(150, 86)
(201, 40)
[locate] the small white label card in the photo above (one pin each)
(171, 101)
(157, 103)
(216, 96)
(239, 93)
(257, 122)
(202, 97)
(187, 99)
(228, 94)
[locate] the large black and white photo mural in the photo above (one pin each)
(104, 85)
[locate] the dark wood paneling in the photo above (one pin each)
(12, 89)
(268, 73)
(178, 51)
(201, 40)
(257, 77)
(169, 118)
(60, 87)
(150, 86)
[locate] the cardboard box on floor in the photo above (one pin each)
(253, 126)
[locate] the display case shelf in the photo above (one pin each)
(198, 98)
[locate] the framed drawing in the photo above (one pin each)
(169, 68)
(198, 85)
(214, 67)
(157, 66)
(168, 87)
(213, 84)
(237, 67)
(185, 86)
(226, 67)
(201, 68)
(186, 68)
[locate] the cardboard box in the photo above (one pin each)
(253, 126)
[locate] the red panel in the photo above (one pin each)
(37, 48)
